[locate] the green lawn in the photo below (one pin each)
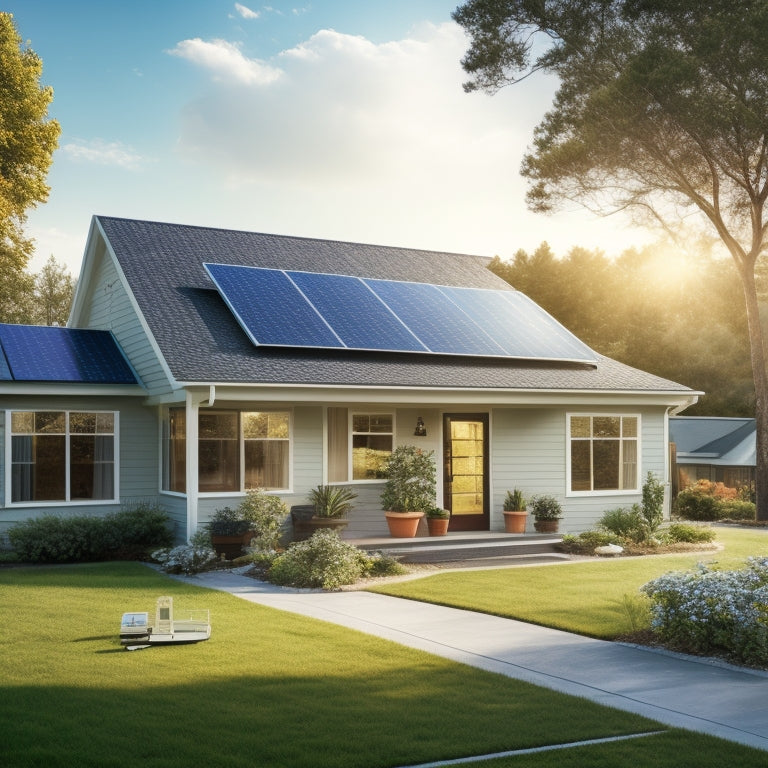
(585, 596)
(270, 689)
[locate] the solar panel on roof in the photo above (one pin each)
(319, 310)
(48, 353)
(270, 307)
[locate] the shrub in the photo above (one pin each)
(734, 509)
(545, 508)
(186, 558)
(625, 524)
(691, 534)
(325, 561)
(714, 612)
(266, 514)
(708, 502)
(652, 508)
(411, 480)
(586, 542)
(127, 534)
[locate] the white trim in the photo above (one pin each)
(568, 469)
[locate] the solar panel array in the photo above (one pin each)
(316, 310)
(49, 353)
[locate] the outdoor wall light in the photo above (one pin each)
(421, 429)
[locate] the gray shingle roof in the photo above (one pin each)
(202, 342)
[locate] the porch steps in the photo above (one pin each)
(483, 547)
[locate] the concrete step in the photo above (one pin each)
(459, 547)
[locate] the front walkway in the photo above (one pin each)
(680, 691)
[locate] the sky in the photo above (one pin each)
(338, 119)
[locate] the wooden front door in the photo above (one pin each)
(465, 470)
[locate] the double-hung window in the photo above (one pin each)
(60, 456)
(359, 444)
(603, 453)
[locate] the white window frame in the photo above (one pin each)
(67, 454)
(351, 434)
(568, 439)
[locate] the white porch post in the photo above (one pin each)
(191, 461)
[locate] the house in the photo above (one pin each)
(200, 362)
(722, 450)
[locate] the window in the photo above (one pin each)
(371, 444)
(603, 453)
(236, 450)
(358, 445)
(61, 456)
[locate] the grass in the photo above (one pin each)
(587, 597)
(269, 689)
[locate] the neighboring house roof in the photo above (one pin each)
(202, 342)
(713, 440)
(32, 353)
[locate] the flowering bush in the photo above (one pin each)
(714, 612)
(712, 501)
(325, 561)
(186, 558)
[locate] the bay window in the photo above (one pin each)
(603, 453)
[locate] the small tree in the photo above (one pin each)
(54, 288)
(411, 480)
(653, 503)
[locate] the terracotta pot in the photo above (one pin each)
(438, 526)
(403, 525)
(515, 521)
(337, 524)
(546, 526)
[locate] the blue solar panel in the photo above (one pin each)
(518, 324)
(318, 310)
(43, 353)
(355, 313)
(270, 308)
(439, 324)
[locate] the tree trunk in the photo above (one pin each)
(760, 375)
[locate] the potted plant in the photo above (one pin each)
(409, 490)
(258, 516)
(437, 521)
(546, 512)
(331, 505)
(515, 514)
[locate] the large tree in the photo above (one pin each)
(27, 142)
(662, 108)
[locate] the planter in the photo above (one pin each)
(403, 525)
(515, 521)
(315, 523)
(438, 526)
(231, 547)
(546, 526)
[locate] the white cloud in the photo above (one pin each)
(226, 62)
(246, 12)
(102, 152)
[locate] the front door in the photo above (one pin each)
(465, 470)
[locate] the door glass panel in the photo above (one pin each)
(465, 467)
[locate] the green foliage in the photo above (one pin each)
(652, 508)
(514, 501)
(54, 289)
(332, 500)
(411, 480)
(258, 512)
(186, 558)
(692, 534)
(127, 534)
(325, 561)
(437, 513)
(27, 143)
(545, 508)
(625, 524)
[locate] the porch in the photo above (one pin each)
(464, 549)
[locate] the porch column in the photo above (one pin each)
(191, 461)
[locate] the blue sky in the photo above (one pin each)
(340, 119)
